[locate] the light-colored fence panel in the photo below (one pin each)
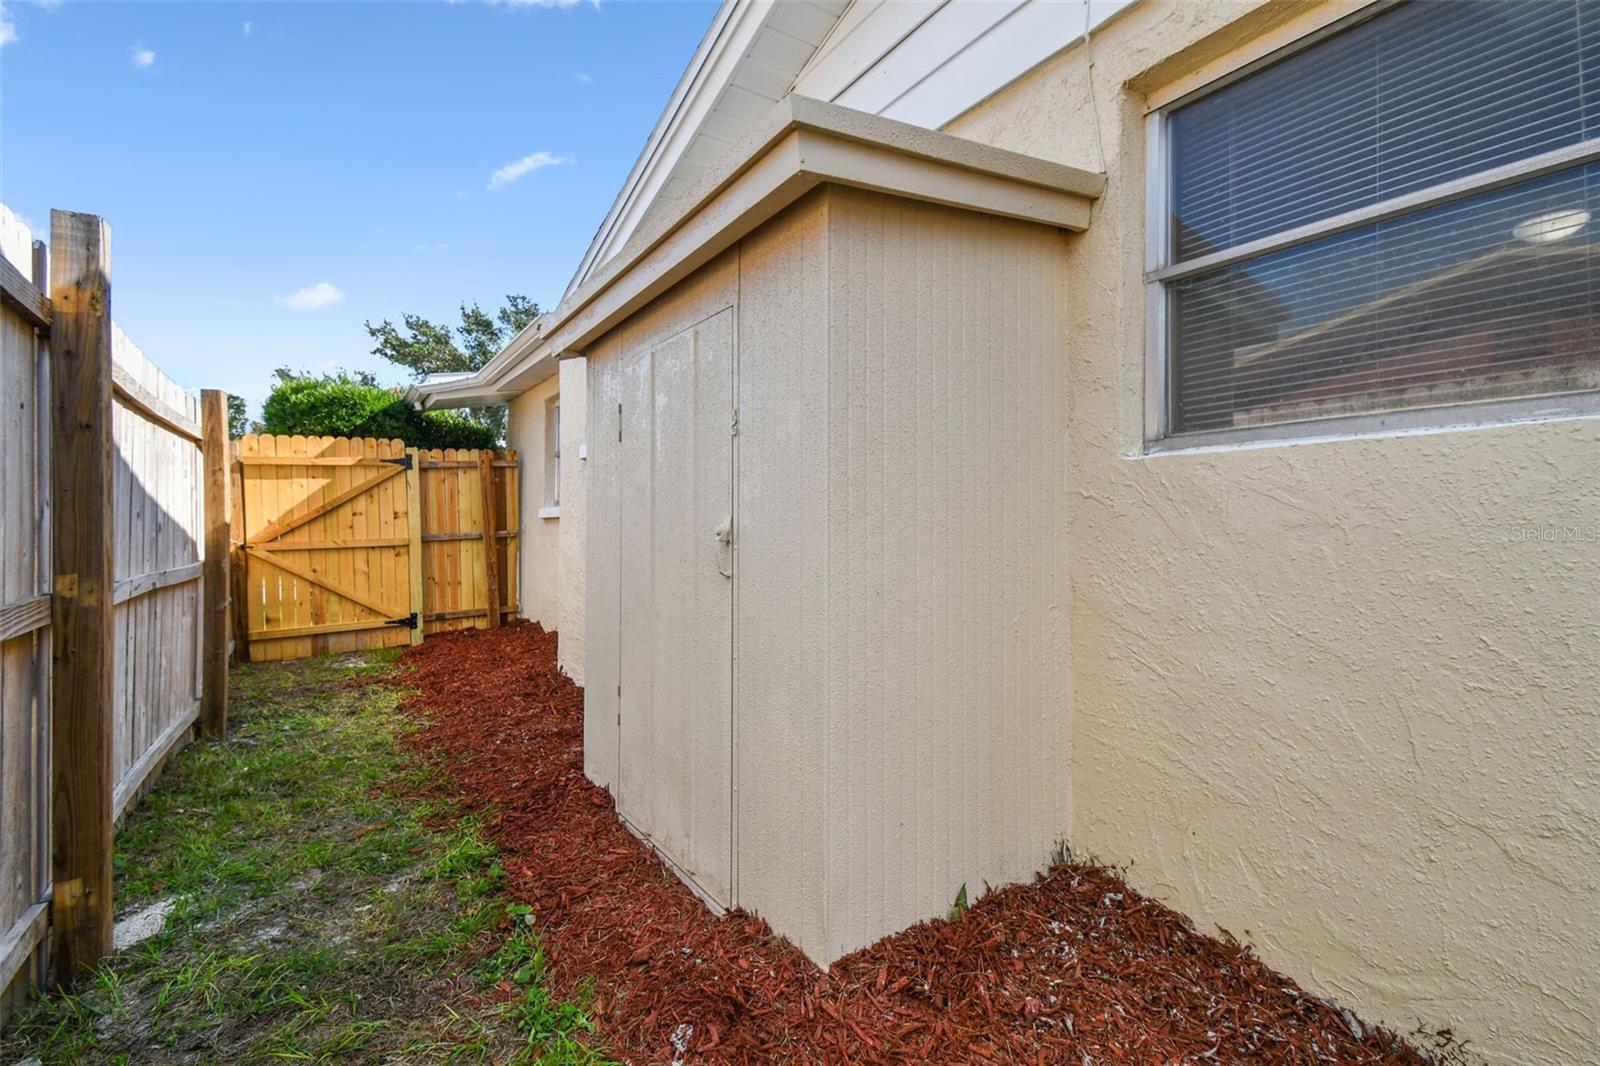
(24, 636)
(157, 497)
(323, 531)
(469, 509)
(345, 543)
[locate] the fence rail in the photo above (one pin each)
(105, 586)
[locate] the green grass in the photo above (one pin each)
(321, 912)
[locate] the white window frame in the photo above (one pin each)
(552, 458)
(1161, 271)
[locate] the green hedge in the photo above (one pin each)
(342, 408)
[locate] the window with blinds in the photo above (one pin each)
(1400, 216)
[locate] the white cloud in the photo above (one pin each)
(248, 26)
(431, 247)
(583, 78)
(48, 5)
(310, 298)
(8, 29)
(143, 58)
(523, 167)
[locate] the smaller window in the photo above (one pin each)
(552, 452)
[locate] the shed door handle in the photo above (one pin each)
(724, 536)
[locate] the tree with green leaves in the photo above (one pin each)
(238, 417)
(425, 347)
(339, 405)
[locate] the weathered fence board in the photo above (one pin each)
(341, 541)
(25, 647)
(157, 485)
(101, 563)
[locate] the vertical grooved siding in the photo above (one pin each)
(783, 599)
(946, 725)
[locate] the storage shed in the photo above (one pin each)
(827, 509)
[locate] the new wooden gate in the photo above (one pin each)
(330, 535)
(348, 543)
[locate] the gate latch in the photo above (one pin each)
(409, 621)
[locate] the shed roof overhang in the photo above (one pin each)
(800, 144)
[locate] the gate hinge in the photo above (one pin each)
(404, 462)
(409, 621)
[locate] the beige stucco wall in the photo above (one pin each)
(1324, 695)
(537, 561)
(551, 564)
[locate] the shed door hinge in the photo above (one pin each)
(409, 621)
(733, 428)
(404, 462)
(619, 422)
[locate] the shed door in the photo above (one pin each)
(676, 713)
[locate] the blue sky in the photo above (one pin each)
(255, 160)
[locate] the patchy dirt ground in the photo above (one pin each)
(1073, 968)
(292, 894)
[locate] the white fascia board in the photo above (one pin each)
(479, 388)
(799, 145)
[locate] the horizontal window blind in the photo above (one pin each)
(1444, 306)
(1495, 295)
(1417, 96)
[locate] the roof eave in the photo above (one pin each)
(799, 145)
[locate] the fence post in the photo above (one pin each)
(240, 606)
(83, 587)
(414, 535)
(215, 583)
(491, 539)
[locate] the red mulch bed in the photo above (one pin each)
(1075, 967)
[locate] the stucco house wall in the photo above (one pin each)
(550, 563)
(1331, 695)
(538, 581)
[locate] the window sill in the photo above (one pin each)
(550, 512)
(1482, 414)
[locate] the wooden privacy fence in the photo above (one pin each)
(113, 583)
(343, 543)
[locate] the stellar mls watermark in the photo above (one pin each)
(1556, 533)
